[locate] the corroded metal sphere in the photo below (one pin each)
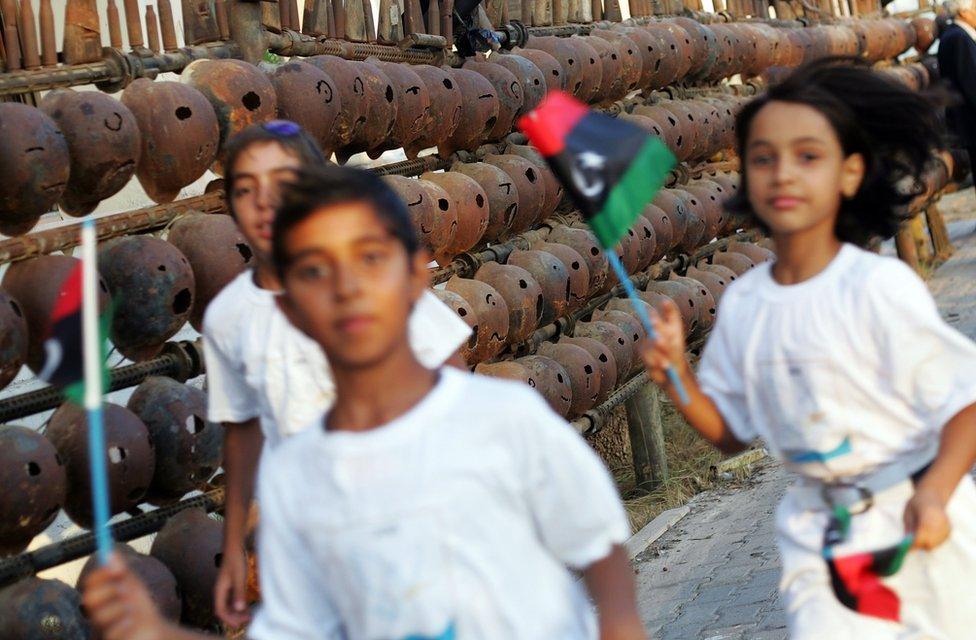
(35, 486)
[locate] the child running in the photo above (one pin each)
(837, 358)
(266, 380)
(426, 503)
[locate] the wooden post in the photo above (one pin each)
(905, 245)
(940, 235)
(647, 436)
(923, 246)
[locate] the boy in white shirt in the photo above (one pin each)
(265, 379)
(426, 503)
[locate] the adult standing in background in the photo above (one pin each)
(957, 66)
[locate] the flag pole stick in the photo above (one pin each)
(91, 342)
(645, 320)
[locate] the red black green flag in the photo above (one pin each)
(857, 579)
(611, 168)
(63, 359)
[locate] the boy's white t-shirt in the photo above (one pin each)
(848, 370)
(456, 520)
(260, 366)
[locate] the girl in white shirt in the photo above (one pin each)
(837, 358)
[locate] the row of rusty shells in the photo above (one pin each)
(157, 285)
(159, 448)
(79, 148)
(578, 372)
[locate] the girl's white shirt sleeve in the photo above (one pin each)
(930, 366)
(572, 498)
(721, 373)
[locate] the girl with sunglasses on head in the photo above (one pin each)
(838, 359)
(265, 379)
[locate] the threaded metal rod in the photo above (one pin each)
(50, 556)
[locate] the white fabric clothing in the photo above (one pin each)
(840, 374)
(938, 601)
(260, 366)
(461, 516)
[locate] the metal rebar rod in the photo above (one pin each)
(147, 219)
(112, 73)
(179, 360)
(47, 557)
(294, 44)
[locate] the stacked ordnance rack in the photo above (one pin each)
(513, 258)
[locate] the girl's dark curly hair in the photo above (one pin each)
(893, 128)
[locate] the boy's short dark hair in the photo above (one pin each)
(328, 185)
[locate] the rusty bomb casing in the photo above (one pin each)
(188, 447)
(471, 206)
(103, 144)
(528, 184)
(190, 545)
(480, 112)
(240, 93)
(551, 275)
(460, 306)
(445, 220)
(154, 575)
(632, 328)
(568, 58)
(522, 294)
(35, 486)
(612, 84)
(506, 369)
(704, 302)
(308, 96)
(510, 92)
(14, 339)
(613, 338)
(753, 251)
(36, 609)
(675, 208)
(738, 263)
(380, 110)
(681, 295)
(427, 209)
(583, 370)
(351, 86)
(631, 60)
(585, 243)
(713, 282)
(502, 194)
(179, 134)
(152, 284)
(130, 454)
(551, 70)
(553, 188)
(604, 359)
(695, 215)
(551, 380)
(579, 272)
(491, 314)
(706, 194)
(217, 253)
(36, 286)
(629, 250)
(34, 163)
(445, 108)
(527, 74)
(413, 104)
(663, 231)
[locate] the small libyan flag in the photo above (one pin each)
(611, 168)
(63, 360)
